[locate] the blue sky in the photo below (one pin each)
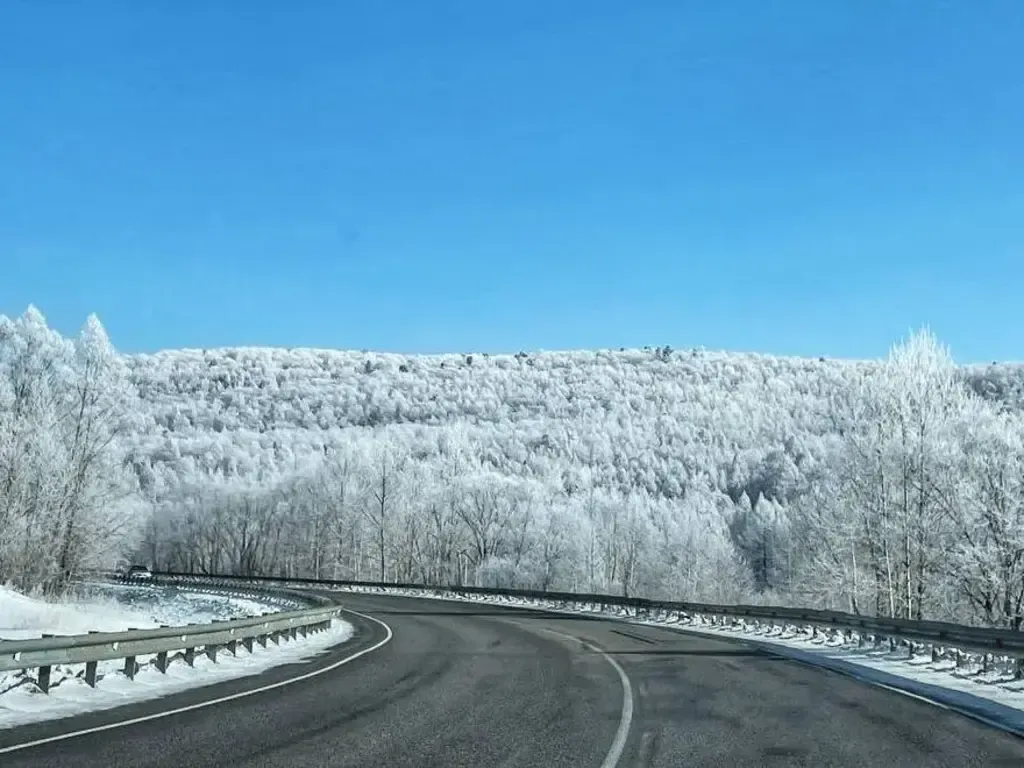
(800, 177)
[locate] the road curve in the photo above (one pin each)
(473, 685)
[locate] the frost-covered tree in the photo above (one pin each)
(67, 409)
(985, 555)
(900, 471)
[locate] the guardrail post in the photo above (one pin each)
(190, 656)
(130, 667)
(43, 680)
(247, 642)
(211, 652)
(232, 647)
(1018, 668)
(90, 673)
(262, 640)
(161, 661)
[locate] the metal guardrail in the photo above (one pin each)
(936, 635)
(89, 649)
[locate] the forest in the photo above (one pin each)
(891, 486)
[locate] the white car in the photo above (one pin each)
(138, 573)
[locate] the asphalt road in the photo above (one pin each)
(471, 685)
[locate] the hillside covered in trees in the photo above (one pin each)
(893, 486)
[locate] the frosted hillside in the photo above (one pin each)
(261, 389)
(639, 418)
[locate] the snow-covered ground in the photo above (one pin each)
(114, 608)
(117, 607)
(990, 694)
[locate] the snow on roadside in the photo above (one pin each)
(25, 704)
(23, 617)
(117, 607)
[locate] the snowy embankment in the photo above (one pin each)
(983, 689)
(113, 608)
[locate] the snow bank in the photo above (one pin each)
(114, 608)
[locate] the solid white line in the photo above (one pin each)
(211, 702)
(626, 719)
(894, 689)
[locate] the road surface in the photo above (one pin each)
(473, 685)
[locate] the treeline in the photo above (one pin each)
(371, 511)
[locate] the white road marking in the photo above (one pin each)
(211, 702)
(626, 719)
(908, 694)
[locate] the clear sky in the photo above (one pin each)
(800, 177)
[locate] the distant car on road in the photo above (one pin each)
(138, 573)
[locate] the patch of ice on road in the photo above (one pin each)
(72, 696)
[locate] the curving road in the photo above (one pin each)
(450, 684)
